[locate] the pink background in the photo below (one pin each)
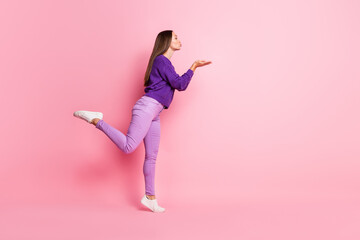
(264, 143)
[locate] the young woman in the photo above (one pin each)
(161, 80)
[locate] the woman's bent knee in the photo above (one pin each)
(128, 149)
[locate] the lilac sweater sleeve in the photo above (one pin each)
(175, 80)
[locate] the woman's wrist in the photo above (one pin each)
(193, 67)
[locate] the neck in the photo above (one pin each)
(169, 53)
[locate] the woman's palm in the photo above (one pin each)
(201, 63)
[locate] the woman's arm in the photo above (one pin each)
(175, 80)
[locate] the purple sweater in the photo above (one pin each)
(164, 80)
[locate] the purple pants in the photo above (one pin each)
(144, 125)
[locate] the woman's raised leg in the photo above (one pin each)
(139, 126)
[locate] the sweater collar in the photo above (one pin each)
(165, 57)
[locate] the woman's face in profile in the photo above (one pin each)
(175, 42)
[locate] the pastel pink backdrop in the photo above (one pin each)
(275, 117)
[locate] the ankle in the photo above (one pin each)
(151, 197)
(95, 121)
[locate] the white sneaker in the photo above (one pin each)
(152, 204)
(88, 115)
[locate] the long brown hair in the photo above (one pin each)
(162, 44)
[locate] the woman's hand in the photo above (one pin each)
(199, 63)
